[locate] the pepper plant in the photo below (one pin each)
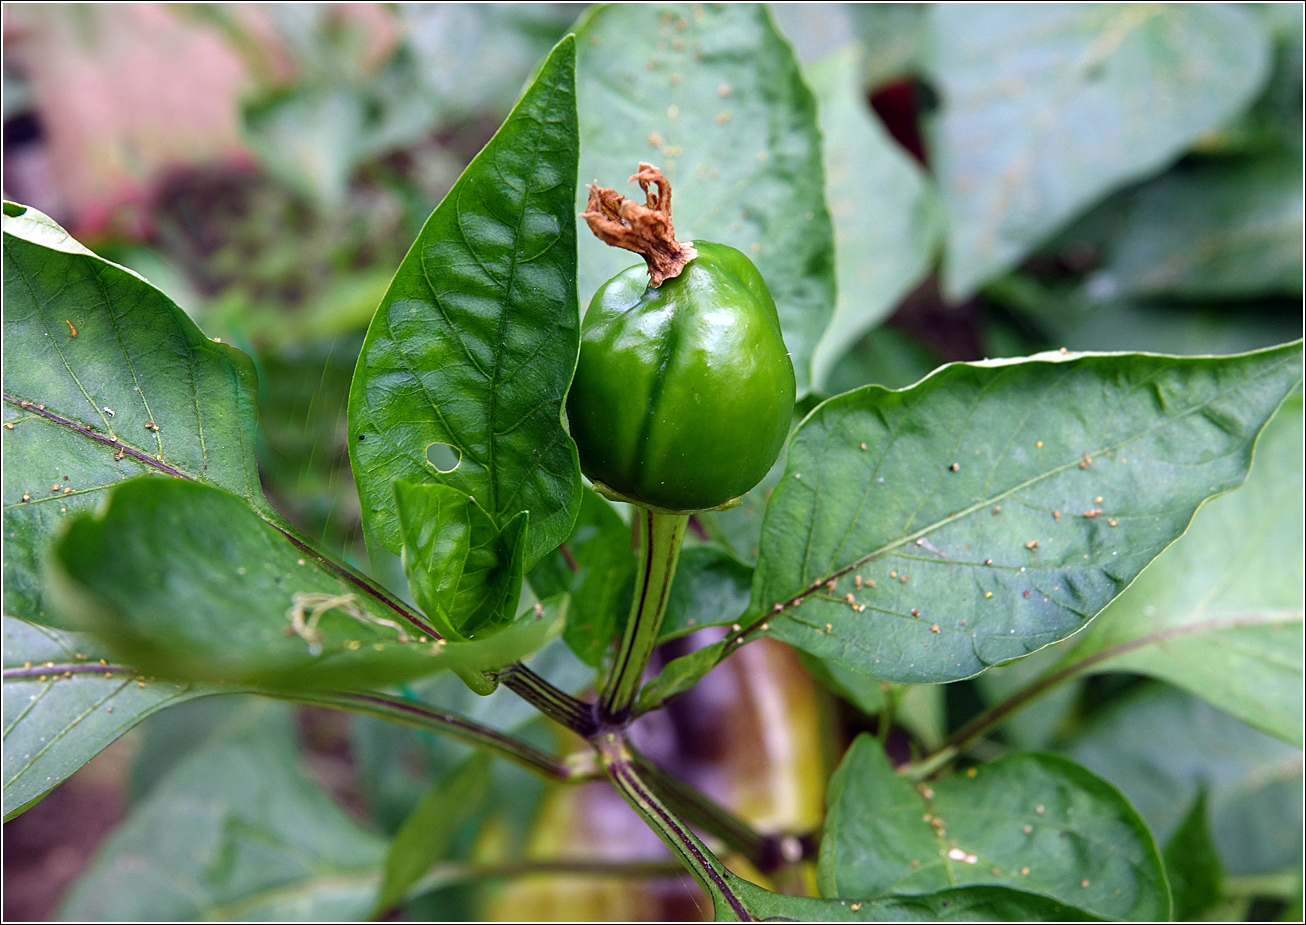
(508, 459)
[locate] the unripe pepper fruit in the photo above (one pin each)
(684, 390)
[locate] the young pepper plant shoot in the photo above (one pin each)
(517, 428)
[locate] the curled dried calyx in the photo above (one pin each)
(645, 229)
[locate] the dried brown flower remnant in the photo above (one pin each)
(645, 229)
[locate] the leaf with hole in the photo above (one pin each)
(471, 351)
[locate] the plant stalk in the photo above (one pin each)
(684, 844)
(657, 539)
(420, 716)
(768, 853)
(557, 705)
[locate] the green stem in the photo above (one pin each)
(557, 705)
(684, 844)
(768, 853)
(420, 716)
(657, 549)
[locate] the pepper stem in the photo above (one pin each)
(657, 550)
(645, 229)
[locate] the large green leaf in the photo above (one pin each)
(1034, 822)
(712, 95)
(475, 343)
(1220, 612)
(62, 705)
(1163, 746)
(1047, 108)
(105, 378)
(887, 221)
(185, 581)
(237, 830)
(1000, 505)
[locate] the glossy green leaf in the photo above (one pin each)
(1191, 864)
(713, 96)
(887, 221)
(427, 835)
(1033, 822)
(998, 506)
(965, 904)
(185, 581)
(465, 573)
(1045, 109)
(238, 830)
(1162, 746)
(1219, 613)
(114, 381)
(598, 569)
(475, 343)
(1229, 228)
(62, 706)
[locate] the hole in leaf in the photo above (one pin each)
(13, 209)
(444, 457)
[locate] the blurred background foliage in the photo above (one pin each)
(1002, 180)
